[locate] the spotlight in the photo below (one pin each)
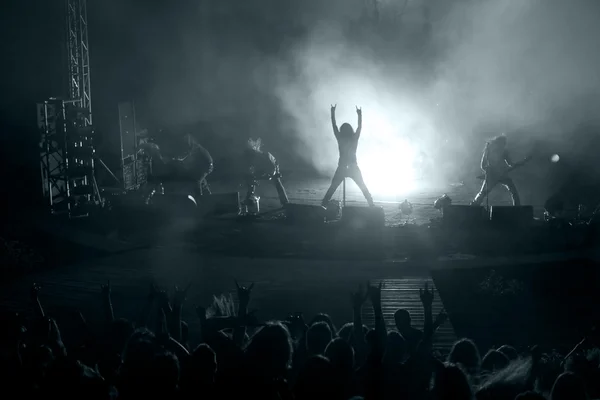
(555, 158)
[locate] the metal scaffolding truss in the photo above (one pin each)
(79, 56)
(55, 179)
(66, 158)
(67, 153)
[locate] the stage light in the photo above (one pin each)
(389, 170)
(555, 158)
(387, 159)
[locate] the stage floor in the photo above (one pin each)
(422, 196)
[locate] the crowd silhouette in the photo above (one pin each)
(238, 357)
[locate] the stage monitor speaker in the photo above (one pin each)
(512, 217)
(363, 217)
(304, 214)
(464, 216)
(219, 204)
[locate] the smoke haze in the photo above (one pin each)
(272, 69)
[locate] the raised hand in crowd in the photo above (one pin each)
(426, 295)
(175, 321)
(243, 294)
(34, 293)
(105, 291)
(152, 360)
(180, 295)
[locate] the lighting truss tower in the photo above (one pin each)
(79, 57)
(67, 149)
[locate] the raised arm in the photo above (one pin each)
(336, 131)
(239, 332)
(507, 158)
(484, 158)
(37, 305)
(380, 329)
(359, 113)
(107, 307)
(175, 320)
(358, 299)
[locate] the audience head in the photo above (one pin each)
(317, 380)
(225, 348)
(402, 319)
(321, 317)
(341, 355)
(204, 361)
(568, 386)
(346, 332)
(494, 361)
(395, 348)
(509, 351)
(318, 337)
(69, 379)
(451, 383)
(270, 350)
(119, 333)
(164, 373)
(465, 353)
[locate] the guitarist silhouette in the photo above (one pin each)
(496, 164)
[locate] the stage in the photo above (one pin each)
(422, 195)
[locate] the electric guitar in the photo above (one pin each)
(513, 167)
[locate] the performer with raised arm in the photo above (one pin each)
(198, 164)
(348, 164)
(262, 165)
(496, 163)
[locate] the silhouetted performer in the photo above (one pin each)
(496, 162)
(194, 166)
(197, 164)
(262, 165)
(348, 164)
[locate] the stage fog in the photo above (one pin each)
(435, 80)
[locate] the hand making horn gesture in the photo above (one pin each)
(333, 106)
(181, 294)
(105, 289)
(426, 295)
(358, 110)
(244, 293)
(34, 292)
(375, 293)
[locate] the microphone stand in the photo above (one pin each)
(487, 183)
(344, 193)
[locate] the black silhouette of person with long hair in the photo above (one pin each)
(348, 163)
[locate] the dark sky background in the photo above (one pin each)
(229, 70)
